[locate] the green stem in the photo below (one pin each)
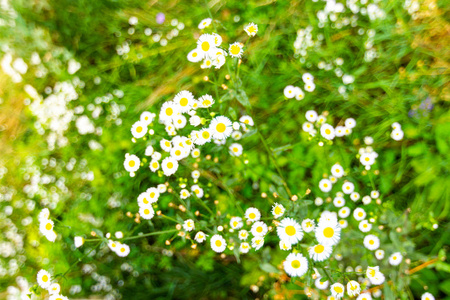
(80, 259)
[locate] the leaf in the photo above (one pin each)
(241, 96)
(266, 267)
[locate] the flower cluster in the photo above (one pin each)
(44, 280)
(46, 225)
(316, 122)
(294, 91)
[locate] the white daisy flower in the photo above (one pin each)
(57, 297)
(320, 252)
(308, 127)
(198, 191)
(184, 194)
(325, 185)
(395, 259)
(156, 155)
(236, 135)
(427, 296)
(146, 212)
(289, 91)
(236, 222)
(184, 100)
(78, 241)
(204, 136)
(204, 23)
(113, 245)
(327, 131)
(337, 170)
(200, 237)
(169, 110)
(354, 196)
(162, 188)
(206, 101)
(189, 225)
(307, 78)
(195, 152)
(367, 159)
(350, 123)
(299, 94)
(206, 44)
(257, 242)
(348, 187)
(44, 279)
(221, 127)
(169, 165)
(285, 245)
(154, 165)
(344, 212)
(364, 296)
(131, 163)
(54, 288)
(195, 174)
(178, 153)
(328, 217)
(259, 229)
(153, 194)
(359, 214)
(244, 247)
(44, 215)
(318, 201)
(195, 55)
(247, 120)
(236, 50)
(179, 122)
(277, 210)
(374, 275)
(311, 116)
(379, 254)
(149, 150)
(235, 149)
(364, 226)
(366, 200)
(243, 234)
(217, 43)
(374, 194)
(195, 120)
(166, 145)
(321, 285)
(295, 265)
(143, 199)
(138, 130)
(309, 87)
(371, 242)
(308, 225)
(289, 230)
(397, 134)
(328, 233)
(218, 243)
(337, 290)
(251, 29)
(343, 223)
(339, 201)
(147, 117)
(252, 214)
(339, 131)
(353, 288)
(123, 250)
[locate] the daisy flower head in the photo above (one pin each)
(339, 201)
(179, 153)
(325, 185)
(427, 296)
(189, 225)
(327, 131)
(195, 55)
(348, 187)
(259, 229)
(257, 242)
(379, 254)
(366, 200)
(207, 63)
(359, 214)
(236, 223)
(154, 165)
(54, 288)
(166, 145)
(236, 50)
(328, 217)
(371, 242)
(328, 233)
(123, 250)
(285, 245)
(251, 29)
(206, 44)
(289, 230)
(146, 212)
(78, 241)
(252, 214)
(217, 43)
(131, 163)
(339, 131)
(195, 120)
(309, 87)
(243, 234)
(311, 116)
(200, 237)
(350, 123)
(149, 150)
(308, 225)
(244, 247)
(289, 91)
(318, 201)
(235, 149)
(206, 101)
(299, 94)
(197, 190)
(355, 196)
(307, 126)
(44, 279)
(195, 152)
(397, 134)
(204, 23)
(57, 297)
(307, 77)
(337, 170)
(374, 194)
(375, 276)
(343, 223)
(321, 285)
(221, 127)
(218, 243)
(139, 129)
(169, 166)
(367, 159)
(247, 120)
(365, 226)
(353, 288)
(153, 194)
(195, 174)
(169, 110)
(337, 290)
(344, 212)
(184, 100)
(320, 252)
(395, 259)
(295, 265)
(44, 215)
(364, 296)
(147, 117)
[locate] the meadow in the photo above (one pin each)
(224, 149)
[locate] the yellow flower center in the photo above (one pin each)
(235, 149)
(205, 135)
(235, 49)
(338, 289)
(259, 229)
(277, 210)
(319, 249)
(328, 232)
(132, 163)
(45, 278)
(194, 54)
(252, 215)
(221, 127)
(218, 243)
(205, 46)
(170, 165)
(295, 264)
(48, 226)
(146, 211)
(139, 129)
(327, 131)
(155, 165)
(360, 214)
(169, 111)
(290, 230)
(178, 152)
